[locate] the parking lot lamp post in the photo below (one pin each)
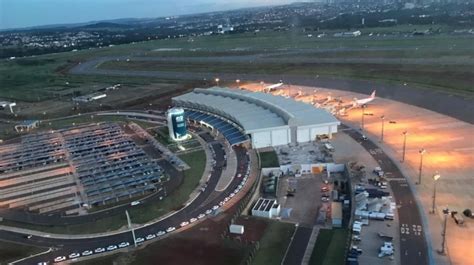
(383, 124)
(238, 83)
(131, 227)
(217, 81)
(442, 251)
(362, 120)
(435, 180)
(404, 145)
(422, 152)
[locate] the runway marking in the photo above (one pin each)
(415, 229)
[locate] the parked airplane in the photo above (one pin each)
(364, 101)
(270, 88)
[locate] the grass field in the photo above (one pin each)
(274, 243)
(330, 247)
(269, 159)
(10, 252)
(43, 77)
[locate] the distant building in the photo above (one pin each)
(224, 29)
(267, 208)
(89, 98)
(356, 33)
(27, 125)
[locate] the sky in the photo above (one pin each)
(26, 13)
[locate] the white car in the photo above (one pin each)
(201, 216)
(184, 223)
(215, 207)
(226, 199)
(170, 229)
(135, 203)
(124, 244)
(150, 236)
(232, 194)
(59, 259)
(236, 190)
(99, 250)
(192, 220)
(209, 211)
(87, 253)
(221, 203)
(139, 239)
(74, 255)
(111, 247)
(160, 233)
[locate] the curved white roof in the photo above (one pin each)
(254, 110)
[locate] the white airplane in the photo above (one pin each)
(273, 87)
(364, 101)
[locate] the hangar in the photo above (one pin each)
(266, 119)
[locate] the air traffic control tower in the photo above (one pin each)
(177, 124)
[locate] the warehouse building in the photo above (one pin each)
(264, 119)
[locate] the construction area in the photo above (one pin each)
(72, 169)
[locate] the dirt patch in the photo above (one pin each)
(254, 228)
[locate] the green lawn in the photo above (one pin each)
(10, 252)
(330, 247)
(269, 159)
(274, 243)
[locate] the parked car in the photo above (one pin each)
(208, 211)
(139, 239)
(150, 236)
(59, 259)
(183, 224)
(135, 203)
(124, 244)
(170, 229)
(111, 247)
(215, 207)
(201, 216)
(99, 250)
(192, 220)
(74, 255)
(87, 253)
(160, 233)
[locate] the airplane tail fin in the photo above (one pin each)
(373, 94)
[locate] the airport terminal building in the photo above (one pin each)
(263, 119)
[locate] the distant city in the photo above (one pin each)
(311, 17)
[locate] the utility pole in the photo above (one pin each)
(131, 227)
(404, 145)
(442, 251)
(422, 152)
(383, 124)
(435, 180)
(362, 119)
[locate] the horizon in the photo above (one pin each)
(15, 15)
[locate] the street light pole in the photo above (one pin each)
(238, 83)
(217, 81)
(383, 124)
(422, 152)
(131, 227)
(435, 179)
(442, 251)
(404, 145)
(362, 119)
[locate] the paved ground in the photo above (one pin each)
(349, 150)
(306, 202)
(298, 245)
(450, 151)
